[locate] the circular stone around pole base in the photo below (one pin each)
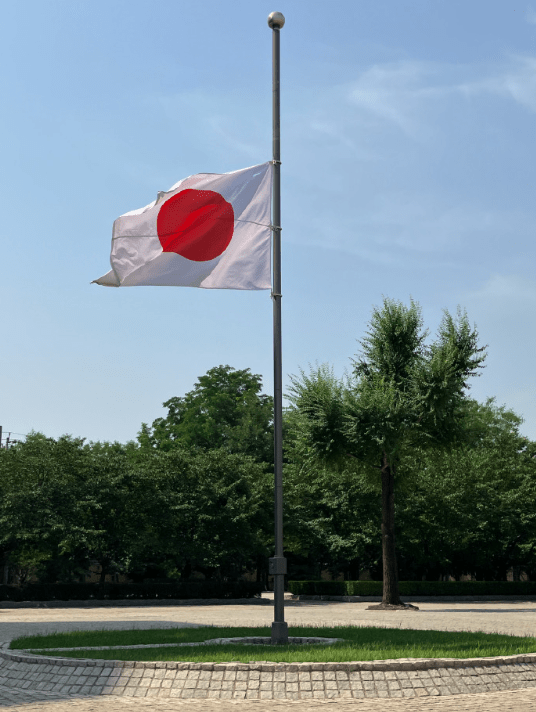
(391, 607)
(291, 640)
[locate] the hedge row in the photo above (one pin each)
(413, 588)
(117, 591)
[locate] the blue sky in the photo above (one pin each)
(409, 167)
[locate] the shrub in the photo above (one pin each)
(414, 588)
(133, 591)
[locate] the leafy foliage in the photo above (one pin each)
(65, 505)
(470, 509)
(224, 410)
(196, 492)
(404, 394)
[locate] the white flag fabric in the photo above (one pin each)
(209, 230)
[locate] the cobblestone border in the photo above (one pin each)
(398, 664)
(266, 680)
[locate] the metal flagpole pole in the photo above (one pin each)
(278, 563)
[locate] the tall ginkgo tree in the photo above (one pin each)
(402, 393)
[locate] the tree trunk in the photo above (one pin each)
(354, 569)
(186, 571)
(391, 595)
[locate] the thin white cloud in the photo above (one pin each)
(224, 130)
(398, 228)
(337, 154)
(414, 97)
(530, 15)
(403, 93)
(517, 82)
(334, 130)
(392, 92)
(512, 291)
(223, 121)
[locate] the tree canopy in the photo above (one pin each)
(197, 493)
(225, 410)
(65, 505)
(403, 394)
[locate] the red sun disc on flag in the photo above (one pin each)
(197, 224)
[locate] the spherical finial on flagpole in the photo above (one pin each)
(276, 20)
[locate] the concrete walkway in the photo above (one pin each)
(168, 686)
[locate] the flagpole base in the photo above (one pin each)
(279, 633)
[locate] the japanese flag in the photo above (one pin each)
(209, 230)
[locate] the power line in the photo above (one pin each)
(8, 441)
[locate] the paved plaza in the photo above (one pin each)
(164, 686)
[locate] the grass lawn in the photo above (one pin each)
(359, 643)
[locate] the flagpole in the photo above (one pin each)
(278, 563)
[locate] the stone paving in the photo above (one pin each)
(31, 684)
(266, 681)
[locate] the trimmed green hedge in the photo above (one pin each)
(413, 588)
(336, 588)
(135, 591)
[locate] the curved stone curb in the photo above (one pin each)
(265, 680)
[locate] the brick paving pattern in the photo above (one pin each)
(266, 681)
(508, 701)
(28, 685)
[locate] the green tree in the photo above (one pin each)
(112, 500)
(208, 511)
(332, 520)
(38, 504)
(470, 509)
(65, 504)
(403, 394)
(225, 410)
(332, 508)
